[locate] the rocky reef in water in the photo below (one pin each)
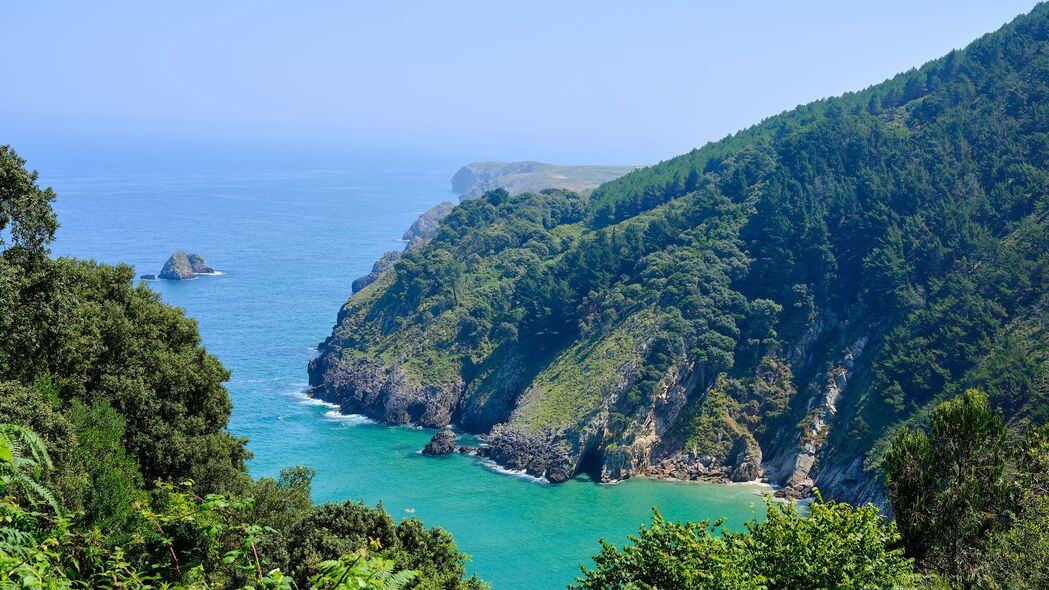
(442, 443)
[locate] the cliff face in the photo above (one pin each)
(426, 226)
(383, 264)
(772, 305)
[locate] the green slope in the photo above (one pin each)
(786, 296)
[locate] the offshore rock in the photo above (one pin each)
(177, 268)
(181, 266)
(442, 443)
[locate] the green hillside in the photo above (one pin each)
(776, 303)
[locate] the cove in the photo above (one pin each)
(289, 243)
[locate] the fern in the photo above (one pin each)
(23, 459)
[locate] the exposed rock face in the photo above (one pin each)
(425, 228)
(177, 268)
(442, 443)
(198, 266)
(384, 263)
(475, 179)
(536, 455)
(181, 266)
(382, 392)
(748, 462)
(793, 468)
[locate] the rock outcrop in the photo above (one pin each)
(382, 392)
(198, 266)
(425, 227)
(535, 455)
(442, 443)
(384, 263)
(181, 266)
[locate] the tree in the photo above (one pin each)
(834, 546)
(948, 486)
(24, 206)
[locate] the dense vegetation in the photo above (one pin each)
(801, 290)
(115, 470)
(835, 546)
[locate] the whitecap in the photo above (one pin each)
(348, 419)
(312, 401)
(521, 473)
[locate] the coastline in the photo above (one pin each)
(762, 487)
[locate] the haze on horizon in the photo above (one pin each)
(586, 82)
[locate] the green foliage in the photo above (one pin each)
(1018, 558)
(835, 546)
(23, 458)
(25, 209)
(349, 527)
(360, 571)
(192, 542)
(948, 487)
(971, 500)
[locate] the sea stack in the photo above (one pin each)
(182, 266)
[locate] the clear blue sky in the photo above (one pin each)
(566, 81)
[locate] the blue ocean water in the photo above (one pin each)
(288, 244)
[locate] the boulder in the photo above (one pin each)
(442, 443)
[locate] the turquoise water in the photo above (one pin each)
(289, 243)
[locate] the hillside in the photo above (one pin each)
(774, 304)
(475, 179)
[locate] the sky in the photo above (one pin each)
(570, 82)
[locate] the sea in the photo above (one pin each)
(288, 243)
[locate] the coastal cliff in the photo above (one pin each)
(774, 305)
(475, 179)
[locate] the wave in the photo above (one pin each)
(348, 419)
(521, 473)
(312, 401)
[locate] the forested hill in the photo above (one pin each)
(777, 302)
